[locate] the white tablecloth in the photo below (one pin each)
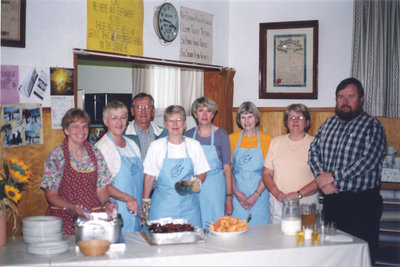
(259, 246)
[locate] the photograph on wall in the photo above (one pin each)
(11, 113)
(61, 81)
(26, 87)
(35, 85)
(21, 124)
(9, 85)
(31, 119)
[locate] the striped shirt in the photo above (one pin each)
(353, 150)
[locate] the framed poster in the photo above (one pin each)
(288, 60)
(13, 16)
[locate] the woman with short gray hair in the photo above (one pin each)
(171, 163)
(249, 147)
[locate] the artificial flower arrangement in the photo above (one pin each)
(13, 178)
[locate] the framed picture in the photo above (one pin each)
(288, 60)
(13, 16)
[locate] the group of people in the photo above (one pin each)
(246, 172)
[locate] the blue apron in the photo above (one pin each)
(248, 164)
(129, 180)
(165, 201)
(213, 190)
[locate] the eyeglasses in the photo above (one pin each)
(116, 118)
(143, 107)
(178, 120)
(292, 118)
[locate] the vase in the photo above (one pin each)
(3, 224)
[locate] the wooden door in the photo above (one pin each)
(218, 85)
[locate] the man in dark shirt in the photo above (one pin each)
(346, 159)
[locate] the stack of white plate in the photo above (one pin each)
(41, 228)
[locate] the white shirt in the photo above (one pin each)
(157, 152)
(110, 152)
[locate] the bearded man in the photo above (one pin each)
(346, 159)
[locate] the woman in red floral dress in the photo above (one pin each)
(75, 174)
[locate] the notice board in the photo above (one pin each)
(115, 26)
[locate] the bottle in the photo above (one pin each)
(291, 221)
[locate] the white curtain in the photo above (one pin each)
(192, 82)
(376, 55)
(168, 85)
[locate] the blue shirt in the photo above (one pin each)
(353, 150)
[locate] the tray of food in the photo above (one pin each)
(168, 231)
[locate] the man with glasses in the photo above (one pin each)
(346, 159)
(142, 129)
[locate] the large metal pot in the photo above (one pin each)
(98, 227)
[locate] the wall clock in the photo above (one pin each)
(166, 22)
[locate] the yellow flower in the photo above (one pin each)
(12, 193)
(19, 177)
(19, 171)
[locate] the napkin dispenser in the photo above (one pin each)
(98, 226)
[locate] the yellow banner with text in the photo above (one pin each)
(115, 26)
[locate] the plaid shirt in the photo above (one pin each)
(145, 139)
(353, 150)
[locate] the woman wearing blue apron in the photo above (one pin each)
(248, 162)
(123, 158)
(129, 180)
(216, 194)
(170, 160)
(213, 191)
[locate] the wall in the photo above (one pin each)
(55, 27)
(335, 40)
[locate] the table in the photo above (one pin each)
(260, 246)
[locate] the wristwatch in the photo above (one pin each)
(299, 195)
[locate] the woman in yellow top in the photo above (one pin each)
(249, 148)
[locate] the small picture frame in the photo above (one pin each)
(13, 17)
(288, 60)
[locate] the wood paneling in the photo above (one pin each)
(392, 129)
(33, 201)
(271, 122)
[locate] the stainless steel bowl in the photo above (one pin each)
(98, 227)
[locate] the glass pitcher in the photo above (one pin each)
(291, 220)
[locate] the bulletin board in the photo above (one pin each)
(21, 124)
